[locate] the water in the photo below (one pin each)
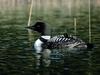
(16, 54)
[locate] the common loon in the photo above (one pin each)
(45, 43)
(57, 41)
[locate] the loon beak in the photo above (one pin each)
(30, 27)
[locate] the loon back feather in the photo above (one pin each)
(60, 41)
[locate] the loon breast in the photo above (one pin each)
(38, 43)
(37, 46)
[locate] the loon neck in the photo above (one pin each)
(42, 34)
(45, 38)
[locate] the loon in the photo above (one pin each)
(64, 41)
(57, 41)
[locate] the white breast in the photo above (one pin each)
(38, 44)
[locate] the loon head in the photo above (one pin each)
(38, 27)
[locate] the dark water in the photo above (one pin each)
(16, 54)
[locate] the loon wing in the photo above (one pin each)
(60, 41)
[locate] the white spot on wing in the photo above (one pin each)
(46, 37)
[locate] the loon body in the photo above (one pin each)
(61, 41)
(58, 41)
(45, 43)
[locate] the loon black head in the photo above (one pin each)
(39, 27)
